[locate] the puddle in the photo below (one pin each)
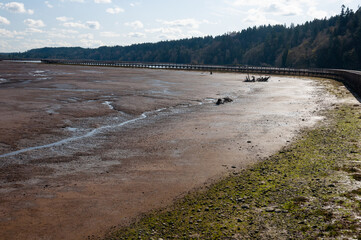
(71, 129)
(38, 73)
(63, 86)
(74, 99)
(51, 111)
(91, 71)
(44, 78)
(87, 135)
(109, 104)
(210, 100)
(23, 61)
(64, 89)
(25, 82)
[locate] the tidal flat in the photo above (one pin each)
(84, 149)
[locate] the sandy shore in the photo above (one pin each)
(83, 149)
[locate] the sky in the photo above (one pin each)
(29, 24)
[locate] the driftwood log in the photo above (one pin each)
(254, 79)
(224, 100)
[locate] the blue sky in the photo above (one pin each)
(29, 24)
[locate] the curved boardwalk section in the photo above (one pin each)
(348, 77)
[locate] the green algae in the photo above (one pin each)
(308, 190)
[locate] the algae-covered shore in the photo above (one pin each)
(309, 190)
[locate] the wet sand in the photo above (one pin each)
(83, 149)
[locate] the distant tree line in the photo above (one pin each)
(325, 43)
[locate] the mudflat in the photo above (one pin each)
(83, 149)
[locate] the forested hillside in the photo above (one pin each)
(331, 43)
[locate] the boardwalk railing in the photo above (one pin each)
(350, 78)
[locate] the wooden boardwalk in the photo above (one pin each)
(351, 78)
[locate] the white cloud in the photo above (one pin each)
(74, 25)
(135, 24)
(79, 1)
(283, 9)
(134, 4)
(279, 8)
(93, 25)
(88, 36)
(257, 17)
(91, 43)
(109, 34)
(189, 22)
(259, 12)
(26, 44)
(48, 4)
(103, 1)
(163, 30)
(87, 25)
(176, 29)
(115, 10)
(135, 35)
(34, 23)
(4, 21)
(319, 14)
(10, 34)
(195, 33)
(5, 45)
(64, 19)
(244, 3)
(34, 30)
(168, 33)
(17, 7)
(5, 33)
(55, 33)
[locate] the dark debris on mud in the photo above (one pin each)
(224, 100)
